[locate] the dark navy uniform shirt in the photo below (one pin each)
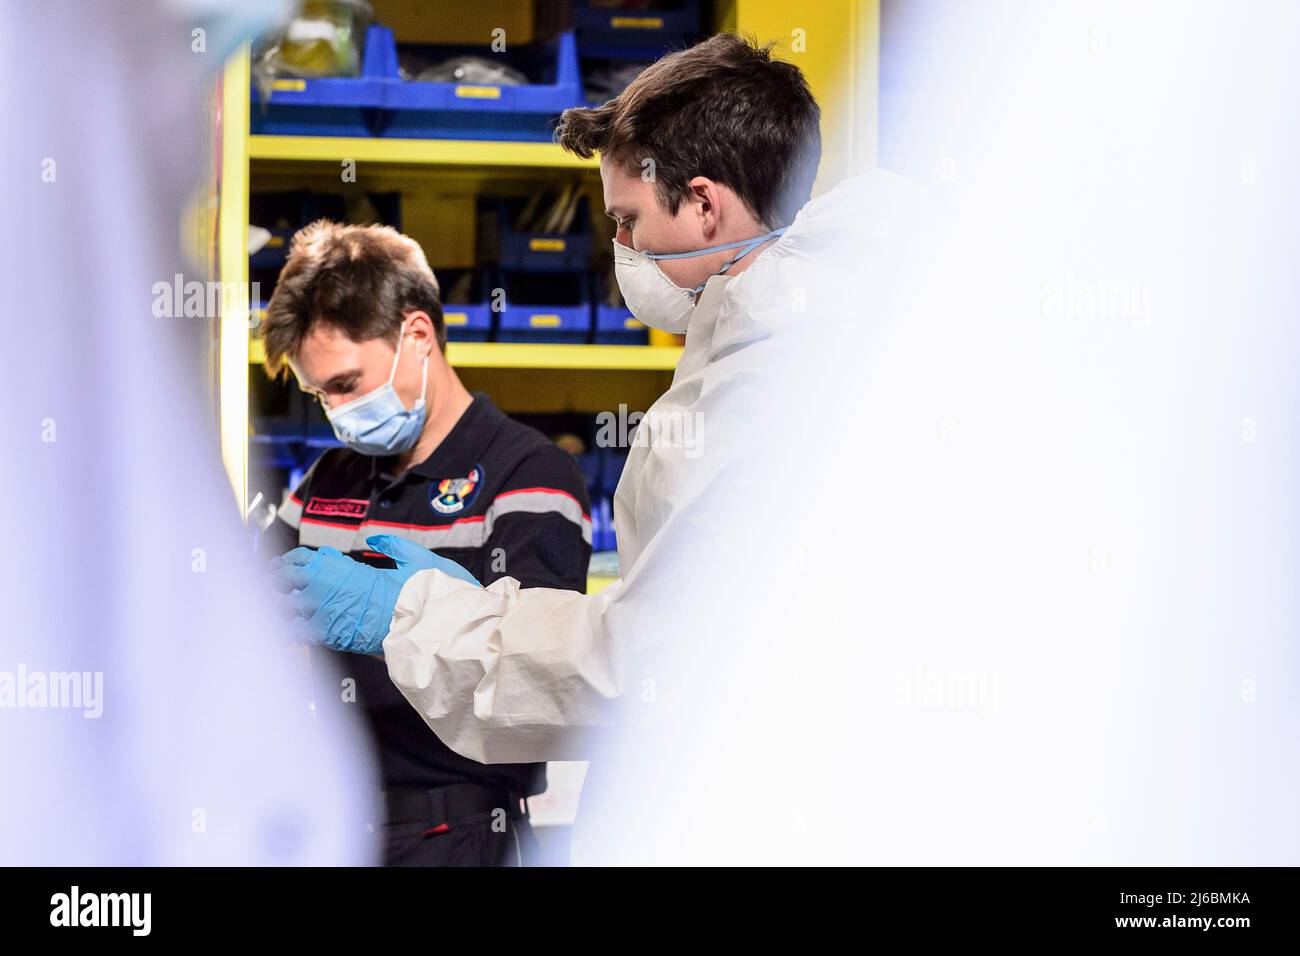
(497, 498)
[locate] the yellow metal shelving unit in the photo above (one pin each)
(415, 152)
(232, 269)
(521, 355)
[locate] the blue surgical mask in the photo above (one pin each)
(654, 298)
(378, 423)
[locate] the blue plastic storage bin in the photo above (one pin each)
(635, 33)
(466, 321)
(544, 323)
(612, 461)
(602, 468)
(543, 251)
(276, 250)
(545, 308)
(418, 110)
(284, 213)
(602, 526)
(329, 106)
(616, 325)
(380, 103)
(589, 462)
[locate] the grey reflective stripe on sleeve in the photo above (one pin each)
(465, 533)
(290, 512)
(540, 501)
(318, 534)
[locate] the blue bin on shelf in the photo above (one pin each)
(602, 468)
(635, 33)
(418, 110)
(276, 250)
(615, 325)
(466, 321)
(602, 526)
(286, 212)
(328, 106)
(545, 308)
(589, 462)
(543, 251)
(612, 461)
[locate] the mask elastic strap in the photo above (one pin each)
(751, 243)
(749, 246)
(397, 356)
(424, 372)
(424, 383)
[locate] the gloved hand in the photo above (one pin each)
(416, 557)
(346, 605)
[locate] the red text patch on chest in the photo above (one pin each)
(337, 507)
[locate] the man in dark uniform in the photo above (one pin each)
(356, 314)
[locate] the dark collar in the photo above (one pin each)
(463, 447)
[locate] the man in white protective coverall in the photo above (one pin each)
(707, 161)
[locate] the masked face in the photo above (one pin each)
(661, 259)
(362, 392)
(654, 298)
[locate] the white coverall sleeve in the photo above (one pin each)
(503, 674)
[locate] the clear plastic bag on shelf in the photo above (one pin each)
(606, 79)
(326, 39)
(468, 69)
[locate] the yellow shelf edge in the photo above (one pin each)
(598, 582)
(435, 152)
(526, 355)
(232, 270)
(536, 355)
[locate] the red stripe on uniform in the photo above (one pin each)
(392, 524)
(329, 524)
(443, 527)
(423, 527)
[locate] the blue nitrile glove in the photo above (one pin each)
(416, 557)
(346, 605)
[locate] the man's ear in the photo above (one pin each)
(706, 200)
(420, 327)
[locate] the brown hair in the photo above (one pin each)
(359, 279)
(725, 109)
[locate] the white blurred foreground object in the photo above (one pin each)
(174, 725)
(990, 558)
(1017, 585)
